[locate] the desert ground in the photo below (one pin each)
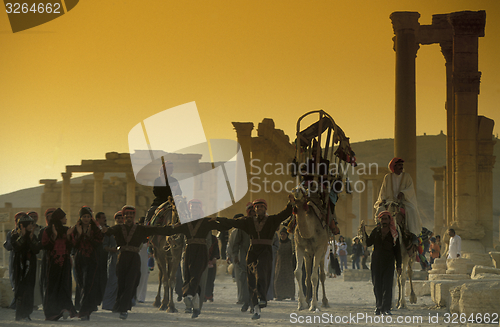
(351, 303)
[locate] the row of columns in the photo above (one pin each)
(458, 34)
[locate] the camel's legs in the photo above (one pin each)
(157, 302)
(314, 282)
(299, 253)
(413, 297)
(322, 277)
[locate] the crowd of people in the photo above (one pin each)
(110, 264)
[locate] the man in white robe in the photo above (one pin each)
(455, 245)
(398, 186)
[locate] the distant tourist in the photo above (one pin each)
(455, 245)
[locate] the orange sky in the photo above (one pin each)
(72, 88)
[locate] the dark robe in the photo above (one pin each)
(87, 269)
(260, 256)
(385, 254)
(213, 253)
(43, 267)
(128, 267)
(58, 275)
(284, 283)
(196, 255)
(25, 263)
(103, 270)
(109, 297)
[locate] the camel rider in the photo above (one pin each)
(398, 187)
(163, 188)
(326, 189)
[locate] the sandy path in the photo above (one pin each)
(347, 300)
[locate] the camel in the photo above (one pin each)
(167, 253)
(407, 256)
(311, 244)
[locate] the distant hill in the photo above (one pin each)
(430, 153)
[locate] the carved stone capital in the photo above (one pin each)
(404, 20)
(66, 176)
(243, 129)
(468, 22)
(466, 82)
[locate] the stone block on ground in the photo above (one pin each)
(420, 288)
(440, 290)
(461, 271)
(460, 263)
(484, 270)
(449, 277)
(486, 276)
(479, 297)
(420, 275)
(479, 259)
(452, 299)
(440, 261)
(439, 266)
(495, 258)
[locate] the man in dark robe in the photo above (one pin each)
(129, 238)
(36, 231)
(87, 239)
(43, 266)
(100, 218)
(284, 280)
(109, 245)
(239, 242)
(386, 252)
(26, 247)
(261, 230)
(57, 244)
(196, 254)
(213, 255)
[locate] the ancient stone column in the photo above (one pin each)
(405, 25)
(130, 189)
(66, 196)
(467, 28)
(447, 50)
(439, 217)
(244, 138)
(486, 162)
(98, 200)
